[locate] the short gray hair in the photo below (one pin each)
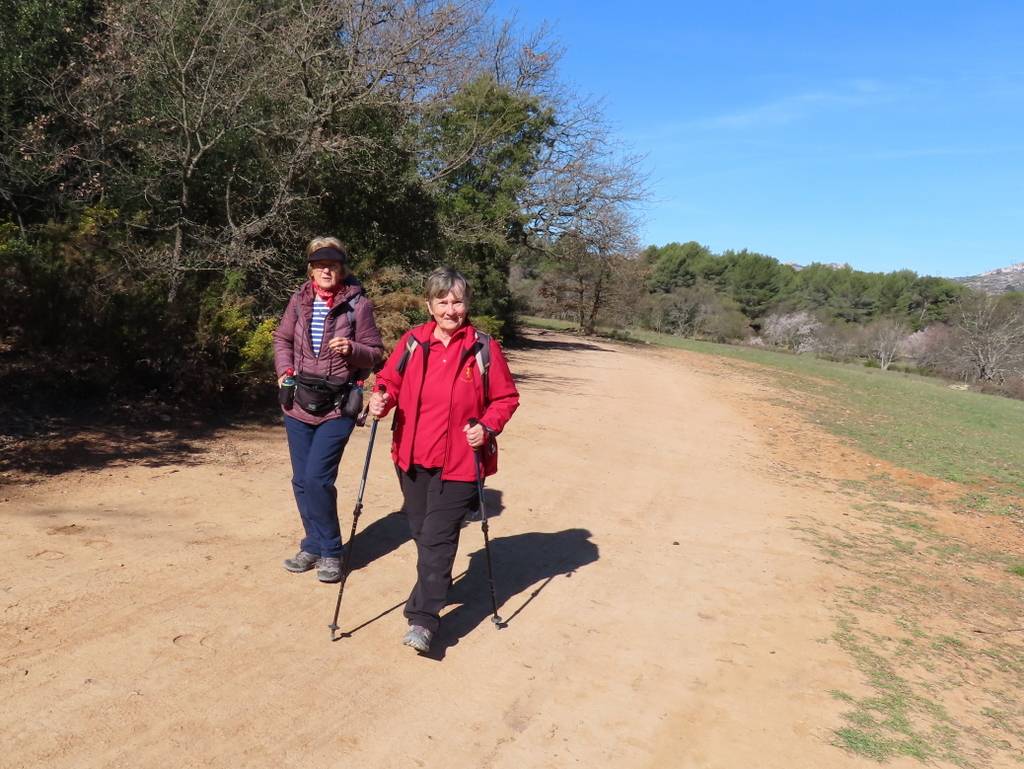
(445, 279)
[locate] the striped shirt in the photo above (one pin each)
(316, 326)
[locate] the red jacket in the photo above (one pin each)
(468, 402)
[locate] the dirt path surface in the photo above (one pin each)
(662, 610)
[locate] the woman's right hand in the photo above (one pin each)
(378, 404)
(281, 379)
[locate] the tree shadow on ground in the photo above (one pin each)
(549, 382)
(520, 562)
(540, 340)
(91, 436)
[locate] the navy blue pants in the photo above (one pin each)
(316, 453)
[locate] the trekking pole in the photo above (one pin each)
(483, 525)
(356, 512)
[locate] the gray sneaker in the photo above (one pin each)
(418, 638)
(329, 570)
(300, 562)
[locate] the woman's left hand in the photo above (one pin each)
(340, 345)
(475, 435)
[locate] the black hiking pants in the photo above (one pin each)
(436, 511)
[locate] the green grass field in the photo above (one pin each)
(912, 421)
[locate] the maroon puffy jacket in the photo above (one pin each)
(293, 346)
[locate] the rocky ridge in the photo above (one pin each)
(997, 281)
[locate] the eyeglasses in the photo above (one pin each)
(333, 266)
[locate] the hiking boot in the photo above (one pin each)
(329, 570)
(300, 562)
(418, 638)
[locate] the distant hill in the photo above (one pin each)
(833, 265)
(997, 281)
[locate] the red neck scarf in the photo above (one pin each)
(327, 294)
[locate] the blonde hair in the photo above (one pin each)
(444, 280)
(323, 241)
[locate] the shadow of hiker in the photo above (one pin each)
(493, 504)
(389, 533)
(520, 561)
(378, 539)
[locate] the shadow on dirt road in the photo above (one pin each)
(520, 562)
(92, 438)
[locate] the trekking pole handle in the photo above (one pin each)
(473, 423)
(383, 390)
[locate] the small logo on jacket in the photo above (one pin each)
(467, 373)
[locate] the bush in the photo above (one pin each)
(696, 311)
(258, 351)
(726, 323)
(489, 325)
(837, 341)
(618, 334)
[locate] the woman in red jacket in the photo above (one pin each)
(440, 377)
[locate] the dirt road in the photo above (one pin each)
(662, 611)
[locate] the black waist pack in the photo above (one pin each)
(318, 395)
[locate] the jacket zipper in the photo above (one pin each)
(465, 355)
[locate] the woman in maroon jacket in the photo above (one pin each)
(327, 331)
(436, 382)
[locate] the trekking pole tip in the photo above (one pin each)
(499, 623)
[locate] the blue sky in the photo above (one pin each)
(884, 135)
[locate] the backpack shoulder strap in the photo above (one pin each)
(410, 348)
(482, 353)
(351, 313)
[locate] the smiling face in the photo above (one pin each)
(326, 274)
(449, 311)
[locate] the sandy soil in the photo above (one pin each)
(661, 610)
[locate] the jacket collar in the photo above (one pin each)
(425, 333)
(349, 289)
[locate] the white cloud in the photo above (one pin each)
(852, 94)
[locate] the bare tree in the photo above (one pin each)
(884, 339)
(837, 340)
(169, 84)
(215, 114)
(589, 264)
(694, 311)
(582, 174)
(217, 124)
(990, 337)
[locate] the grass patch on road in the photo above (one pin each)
(914, 422)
